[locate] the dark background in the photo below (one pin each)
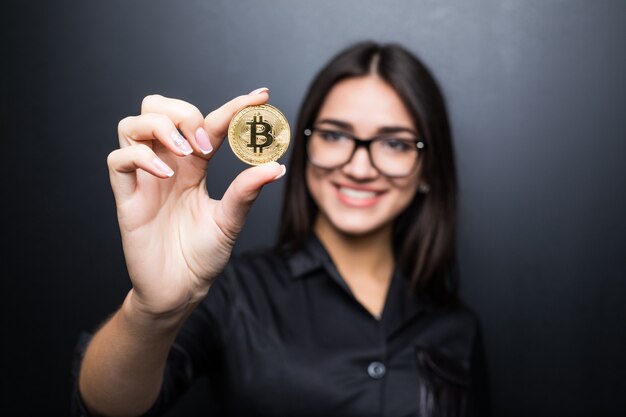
(536, 93)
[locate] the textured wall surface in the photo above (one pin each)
(536, 96)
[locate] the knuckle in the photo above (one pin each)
(122, 125)
(246, 195)
(112, 157)
(161, 120)
(212, 123)
(148, 100)
(191, 114)
(210, 117)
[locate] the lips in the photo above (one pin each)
(358, 197)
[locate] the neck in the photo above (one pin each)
(367, 255)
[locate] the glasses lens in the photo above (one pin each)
(394, 156)
(329, 149)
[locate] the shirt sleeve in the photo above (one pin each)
(195, 352)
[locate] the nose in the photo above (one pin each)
(360, 167)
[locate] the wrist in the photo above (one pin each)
(134, 312)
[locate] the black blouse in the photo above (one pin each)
(282, 335)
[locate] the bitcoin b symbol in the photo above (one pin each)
(258, 134)
(264, 132)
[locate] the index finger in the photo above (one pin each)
(216, 123)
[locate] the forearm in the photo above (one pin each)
(122, 372)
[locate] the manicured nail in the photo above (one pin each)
(282, 172)
(259, 91)
(181, 143)
(162, 166)
(202, 139)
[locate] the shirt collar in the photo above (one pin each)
(308, 258)
(401, 306)
(311, 257)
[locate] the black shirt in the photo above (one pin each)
(282, 335)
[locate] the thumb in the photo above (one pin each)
(242, 192)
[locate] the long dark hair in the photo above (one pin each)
(424, 233)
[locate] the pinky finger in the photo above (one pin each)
(162, 168)
(123, 164)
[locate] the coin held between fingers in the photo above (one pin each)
(259, 134)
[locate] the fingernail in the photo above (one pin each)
(202, 139)
(181, 143)
(282, 173)
(259, 91)
(163, 167)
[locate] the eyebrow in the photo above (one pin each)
(348, 127)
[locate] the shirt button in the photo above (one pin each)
(376, 370)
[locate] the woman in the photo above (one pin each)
(355, 312)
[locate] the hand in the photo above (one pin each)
(176, 239)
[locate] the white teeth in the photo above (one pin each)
(350, 192)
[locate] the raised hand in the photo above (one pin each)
(176, 239)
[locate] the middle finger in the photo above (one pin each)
(187, 118)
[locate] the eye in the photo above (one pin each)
(333, 136)
(398, 145)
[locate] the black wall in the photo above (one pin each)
(536, 92)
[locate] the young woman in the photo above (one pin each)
(354, 313)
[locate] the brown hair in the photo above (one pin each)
(425, 232)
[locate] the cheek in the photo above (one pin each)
(405, 189)
(401, 193)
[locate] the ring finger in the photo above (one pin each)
(153, 126)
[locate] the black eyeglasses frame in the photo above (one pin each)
(360, 142)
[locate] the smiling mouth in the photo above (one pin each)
(358, 194)
(358, 198)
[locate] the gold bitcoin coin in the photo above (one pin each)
(259, 134)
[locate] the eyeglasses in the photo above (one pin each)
(392, 154)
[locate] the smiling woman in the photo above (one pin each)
(389, 93)
(355, 312)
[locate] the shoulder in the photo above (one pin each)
(453, 329)
(459, 315)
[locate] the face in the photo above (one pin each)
(356, 199)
